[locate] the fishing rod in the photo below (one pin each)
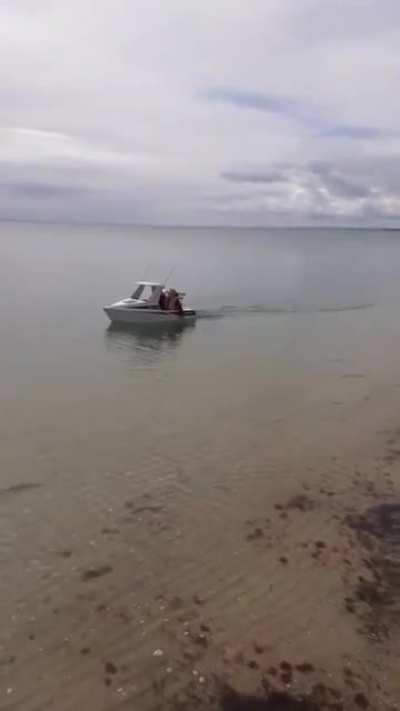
(169, 275)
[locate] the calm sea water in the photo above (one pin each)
(273, 304)
(135, 464)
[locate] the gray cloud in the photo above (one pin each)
(274, 176)
(359, 133)
(319, 191)
(338, 182)
(291, 108)
(35, 190)
(268, 102)
(329, 178)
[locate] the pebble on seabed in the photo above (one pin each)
(158, 653)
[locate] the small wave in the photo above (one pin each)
(262, 309)
(355, 307)
(230, 310)
(210, 315)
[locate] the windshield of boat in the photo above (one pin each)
(147, 292)
(138, 292)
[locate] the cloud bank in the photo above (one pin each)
(270, 112)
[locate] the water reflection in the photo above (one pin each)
(145, 344)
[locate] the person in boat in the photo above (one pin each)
(174, 302)
(163, 301)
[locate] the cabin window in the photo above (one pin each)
(147, 292)
(138, 292)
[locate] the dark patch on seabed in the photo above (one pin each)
(18, 488)
(231, 700)
(221, 696)
(276, 701)
(93, 573)
(376, 595)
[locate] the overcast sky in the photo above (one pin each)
(231, 112)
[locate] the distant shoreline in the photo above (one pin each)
(145, 225)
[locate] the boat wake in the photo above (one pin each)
(230, 311)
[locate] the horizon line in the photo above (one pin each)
(147, 225)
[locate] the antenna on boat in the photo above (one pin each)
(169, 275)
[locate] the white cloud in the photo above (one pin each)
(28, 145)
(115, 98)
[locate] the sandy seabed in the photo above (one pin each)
(270, 584)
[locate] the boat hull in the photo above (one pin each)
(131, 315)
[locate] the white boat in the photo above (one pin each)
(144, 307)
